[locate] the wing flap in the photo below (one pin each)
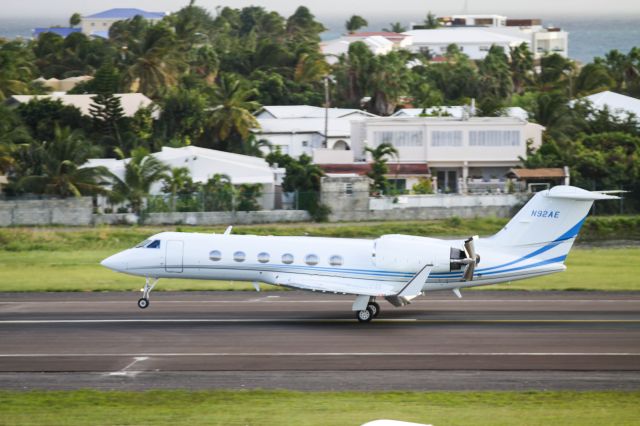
(338, 285)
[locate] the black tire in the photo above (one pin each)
(375, 308)
(364, 315)
(143, 303)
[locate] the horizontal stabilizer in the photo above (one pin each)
(574, 193)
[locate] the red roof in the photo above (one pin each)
(543, 173)
(363, 168)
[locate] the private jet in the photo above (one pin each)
(397, 268)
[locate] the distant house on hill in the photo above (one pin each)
(618, 105)
(63, 85)
(131, 102)
(99, 23)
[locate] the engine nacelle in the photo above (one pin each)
(408, 253)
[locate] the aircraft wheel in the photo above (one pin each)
(143, 303)
(364, 315)
(375, 308)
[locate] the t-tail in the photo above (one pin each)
(549, 223)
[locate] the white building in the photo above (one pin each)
(333, 49)
(204, 163)
(98, 24)
(618, 105)
(541, 40)
(473, 42)
(300, 129)
(131, 102)
(463, 155)
(458, 112)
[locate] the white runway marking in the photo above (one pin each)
(311, 354)
(314, 320)
(125, 371)
(276, 300)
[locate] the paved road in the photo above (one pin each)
(487, 340)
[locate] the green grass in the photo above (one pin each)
(118, 238)
(588, 269)
(317, 408)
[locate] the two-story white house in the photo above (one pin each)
(300, 129)
(463, 155)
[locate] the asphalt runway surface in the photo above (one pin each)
(498, 340)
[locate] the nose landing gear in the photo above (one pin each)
(143, 302)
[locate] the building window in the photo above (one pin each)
(494, 138)
(335, 260)
(398, 139)
(263, 257)
(446, 138)
(305, 143)
(239, 256)
(484, 48)
(311, 259)
(348, 189)
(287, 258)
(215, 255)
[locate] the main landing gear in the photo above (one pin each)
(372, 311)
(143, 302)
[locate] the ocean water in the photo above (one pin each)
(589, 36)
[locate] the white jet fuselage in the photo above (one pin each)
(355, 266)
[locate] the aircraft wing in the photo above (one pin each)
(339, 285)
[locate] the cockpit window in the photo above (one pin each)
(154, 244)
(142, 244)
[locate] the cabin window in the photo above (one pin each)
(239, 256)
(287, 258)
(155, 244)
(335, 260)
(142, 244)
(215, 255)
(263, 257)
(311, 259)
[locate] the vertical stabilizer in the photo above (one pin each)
(551, 216)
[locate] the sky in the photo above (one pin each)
(337, 8)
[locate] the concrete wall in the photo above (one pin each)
(358, 206)
(68, 211)
(207, 218)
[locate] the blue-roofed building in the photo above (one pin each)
(61, 31)
(99, 23)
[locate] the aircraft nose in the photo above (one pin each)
(115, 263)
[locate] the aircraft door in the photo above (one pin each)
(173, 256)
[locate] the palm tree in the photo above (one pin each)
(355, 23)
(310, 68)
(231, 117)
(379, 168)
(395, 27)
(156, 62)
(62, 169)
(521, 63)
(16, 69)
(431, 21)
(140, 172)
(218, 193)
(176, 181)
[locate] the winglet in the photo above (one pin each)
(228, 230)
(412, 289)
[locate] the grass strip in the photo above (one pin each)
(317, 408)
(80, 270)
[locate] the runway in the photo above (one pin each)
(301, 340)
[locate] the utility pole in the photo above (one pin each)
(326, 111)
